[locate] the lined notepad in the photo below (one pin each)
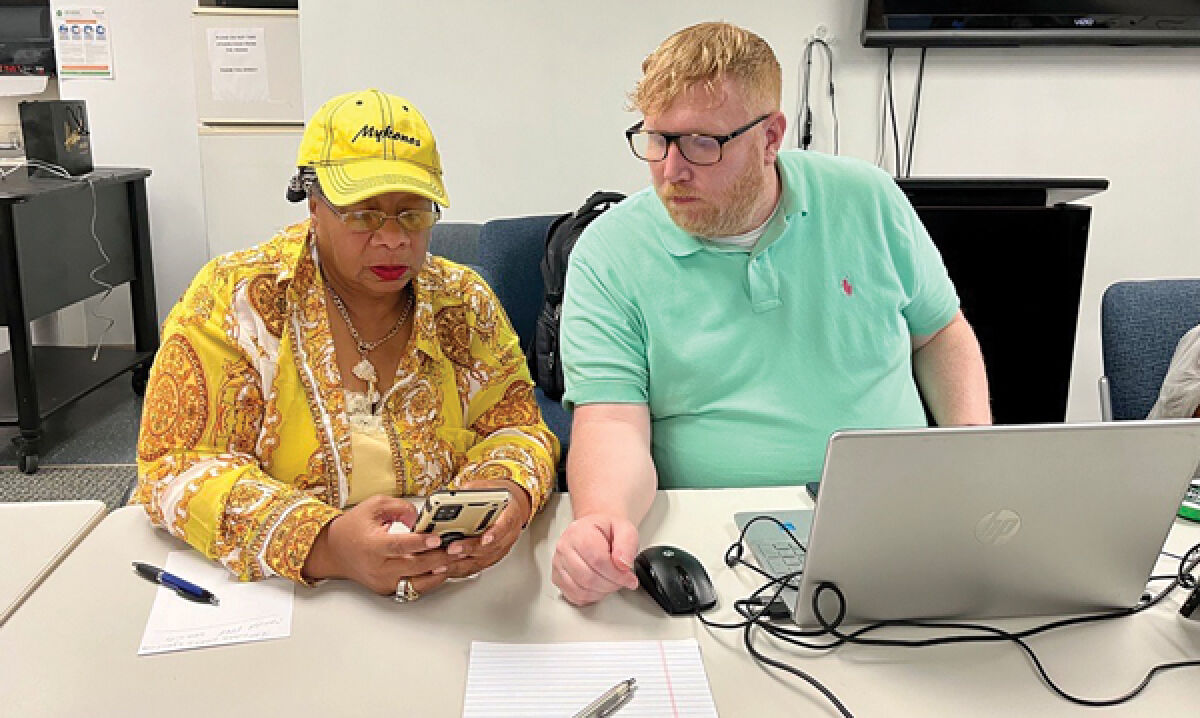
(553, 680)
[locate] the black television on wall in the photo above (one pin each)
(999, 23)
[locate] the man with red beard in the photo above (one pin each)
(720, 325)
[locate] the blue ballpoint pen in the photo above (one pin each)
(187, 589)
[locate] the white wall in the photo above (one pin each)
(146, 117)
(527, 101)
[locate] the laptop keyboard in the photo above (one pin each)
(777, 556)
(778, 548)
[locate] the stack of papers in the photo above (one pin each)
(553, 680)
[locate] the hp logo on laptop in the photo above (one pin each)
(997, 527)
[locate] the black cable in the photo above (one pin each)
(754, 609)
(804, 117)
(892, 107)
(912, 127)
(755, 618)
(997, 634)
(1183, 578)
(806, 677)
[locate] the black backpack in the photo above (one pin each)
(544, 361)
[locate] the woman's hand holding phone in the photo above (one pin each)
(359, 545)
(362, 546)
(469, 556)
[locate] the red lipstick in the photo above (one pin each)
(389, 272)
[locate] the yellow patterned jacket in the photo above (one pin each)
(244, 449)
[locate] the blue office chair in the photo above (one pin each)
(456, 241)
(510, 255)
(1140, 324)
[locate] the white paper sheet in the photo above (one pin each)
(256, 611)
(83, 42)
(238, 60)
(552, 680)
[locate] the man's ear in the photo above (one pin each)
(776, 128)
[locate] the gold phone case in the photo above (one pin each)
(455, 514)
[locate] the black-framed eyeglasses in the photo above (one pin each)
(695, 148)
(372, 220)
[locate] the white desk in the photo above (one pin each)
(35, 537)
(72, 649)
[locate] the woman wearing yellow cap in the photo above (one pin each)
(306, 384)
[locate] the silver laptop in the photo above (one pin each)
(974, 522)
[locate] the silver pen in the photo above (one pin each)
(610, 702)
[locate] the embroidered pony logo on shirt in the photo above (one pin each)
(847, 287)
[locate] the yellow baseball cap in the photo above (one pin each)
(364, 144)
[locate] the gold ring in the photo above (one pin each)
(405, 591)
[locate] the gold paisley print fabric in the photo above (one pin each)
(516, 408)
(244, 450)
(175, 415)
(454, 335)
(269, 304)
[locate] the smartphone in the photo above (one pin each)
(460, 513)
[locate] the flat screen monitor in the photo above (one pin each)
(983, 23)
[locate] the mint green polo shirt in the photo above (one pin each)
(749, 360)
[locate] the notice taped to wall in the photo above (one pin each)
(83, 42)
(238, 58)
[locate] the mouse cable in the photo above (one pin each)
(753, 610)
(746, 607)
(733, 554)
(1180, 579)
(62, 172)
(1183, 578)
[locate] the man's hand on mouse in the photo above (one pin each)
(594, 558)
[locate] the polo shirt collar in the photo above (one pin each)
(794, 195)
(797, 195)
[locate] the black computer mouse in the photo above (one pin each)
(675, 579)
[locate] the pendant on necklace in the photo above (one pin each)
(365, 370)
